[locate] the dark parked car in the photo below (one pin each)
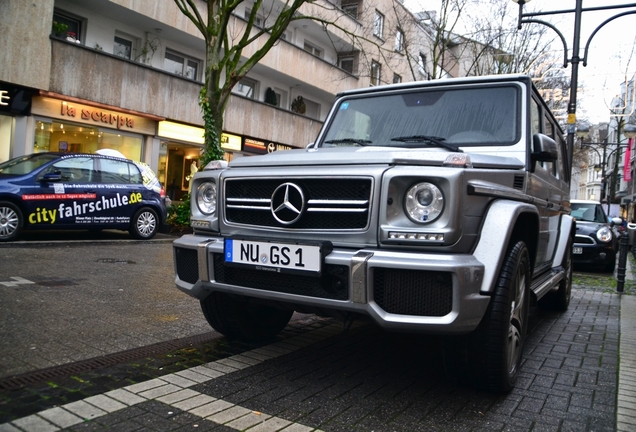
(79, 191)
(596, 242)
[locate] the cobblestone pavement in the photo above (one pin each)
(313, 377)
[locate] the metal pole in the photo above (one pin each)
(622, 262)
(578, 12)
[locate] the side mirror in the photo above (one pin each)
(51, 177)
(544, 149)
(617, 221)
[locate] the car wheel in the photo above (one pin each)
(236, 317)
(497, 344)
(144, 224)
(561, 300)
(11, 221)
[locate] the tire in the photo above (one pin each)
(145, 224)
(497, 344)
(235, 317)
(561, 301)
(11, 221)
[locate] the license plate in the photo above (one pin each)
(274, 256)
(577, 250)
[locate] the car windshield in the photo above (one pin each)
(588, 212)
(445, 118)
(25, 164)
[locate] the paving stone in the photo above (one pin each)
(84, 410)
(35, 423)
(60, 417)
(125, 397)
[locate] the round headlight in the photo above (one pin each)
(604, 234)
(206, 198)
(423, 202)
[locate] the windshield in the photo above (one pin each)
(588, 212)
(25, 164)
(428, 118)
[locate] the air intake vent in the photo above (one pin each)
(518, 183)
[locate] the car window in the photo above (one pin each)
(25, 164)
(74, 170)
(117, 172)
(588, 212)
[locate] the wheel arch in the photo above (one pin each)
(505, 223)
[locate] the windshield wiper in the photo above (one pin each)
(438, 141)
(360, 142)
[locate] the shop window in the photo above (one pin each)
(123, 47)
(180, 64)
(71, 24)
(73, 138)
(397, 79)
(6, 125)
(246, 87)
(312, 49)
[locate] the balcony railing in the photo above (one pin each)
(93, 75)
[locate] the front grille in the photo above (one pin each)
(413, 292)
(582, 239)
(187, 264)
(332, 284)
(329, 203)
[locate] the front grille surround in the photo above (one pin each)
(330, 203)
(187, 264)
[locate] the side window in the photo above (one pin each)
(534, 118)
(135, 175)
(114, 171)
(74, 170)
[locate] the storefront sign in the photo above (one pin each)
(253, 145)
(15, 99)
(120, 121)
(231, 142)
(95, 116)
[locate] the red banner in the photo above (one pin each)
(627, 168)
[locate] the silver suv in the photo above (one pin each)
(437, 207)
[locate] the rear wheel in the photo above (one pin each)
(237, 317)
(144, 224)
(11, 221)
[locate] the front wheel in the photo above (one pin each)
(144, 224)
(237, 317)
(497, 344)
(11, 221)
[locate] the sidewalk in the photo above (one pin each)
(626, 391)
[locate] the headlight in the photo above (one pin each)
(604, 234)
(423, 202)
(206, 198)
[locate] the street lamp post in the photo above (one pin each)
(575, 59)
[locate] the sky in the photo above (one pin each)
(608, 60)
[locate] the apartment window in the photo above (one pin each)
(376, 73)
(421, 63)
(397, 79)
(258, 21)
(399, 40)
(378, 24)
(123, 47)
(312, 49)
(246, 87)
(73, 25)
(351, 10)
(346, 63)
(180, 64)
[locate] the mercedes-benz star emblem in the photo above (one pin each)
(288, 203)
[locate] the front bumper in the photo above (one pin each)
(404, 291)
(594, 254)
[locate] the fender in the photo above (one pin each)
(495, 235)
(566, 231)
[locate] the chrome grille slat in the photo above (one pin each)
(329, 203)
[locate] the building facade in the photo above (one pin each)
(126, 75)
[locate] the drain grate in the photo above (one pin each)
(29, 378)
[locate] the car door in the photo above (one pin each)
(120, 191)
(64, 201)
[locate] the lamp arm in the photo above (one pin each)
(556, 30)
(589, 40)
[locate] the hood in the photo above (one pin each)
(584, 227)
(371, 155)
